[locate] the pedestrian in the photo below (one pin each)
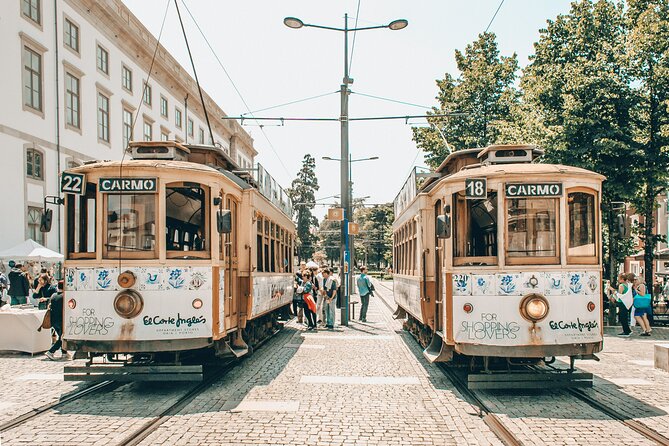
(43, 290)
(4, 285)
(365, 289)
(319, 294)
(298, 308)
(642, 303)
(19, 286)
(308, 300)
(56, 308)
(623, 299)
(330, 296)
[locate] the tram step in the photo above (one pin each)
(529, 380)
(133, 373)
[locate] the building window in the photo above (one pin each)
(126, 78)
(147, 94)
(32, 79)
(148, 131)
(177, 117)
(103, 118)
(127, 127)
(34, 164)
(71, 35)
(163, 106)
(164, 136)
(201, 135)
(72, 99)
(190, 127)
(34, 220)
(32, 9)
(103, 60)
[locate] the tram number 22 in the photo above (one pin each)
(476, 188)
(72, 183)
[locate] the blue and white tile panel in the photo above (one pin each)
(519, 284)
(148, 279)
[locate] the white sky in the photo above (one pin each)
(272, 64)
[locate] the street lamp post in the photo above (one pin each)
(295, 23)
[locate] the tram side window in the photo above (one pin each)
(81, 227)
(531, 224)
(475, 235)
(131, 224)
(582, 238)
(186, 218)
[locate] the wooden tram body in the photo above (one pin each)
(147, 272)
(513, 272)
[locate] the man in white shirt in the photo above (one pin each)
(319, 282)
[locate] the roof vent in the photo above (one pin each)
(507, 154)
(158, 150)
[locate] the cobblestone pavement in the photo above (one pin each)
(353, 386)
(29, 382)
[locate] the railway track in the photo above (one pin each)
(150, 426)
(504, 433)
(24, 418)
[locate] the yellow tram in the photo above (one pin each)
(498, 257)
(172, 251)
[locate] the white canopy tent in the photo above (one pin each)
(31, 250)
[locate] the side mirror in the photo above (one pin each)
(224, 221)
(46, 220)
(620, 225)
(443, 226)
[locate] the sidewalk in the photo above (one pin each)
(358, 385)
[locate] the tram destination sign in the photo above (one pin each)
(514, 190)
(133, 184)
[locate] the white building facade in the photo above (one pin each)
(73, 82)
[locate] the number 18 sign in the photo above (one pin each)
(73, 183)
(476, 188)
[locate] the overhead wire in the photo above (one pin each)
(297, 101)
(355, 33)
(391, 100)
(493, 17)
(234, 86)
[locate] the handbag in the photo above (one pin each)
(309, 302)
(642, 301)
(46, 321)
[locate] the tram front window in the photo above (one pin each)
(581, 225)
(532, 228)
(475, 240)
(185, 218)
(131, 223)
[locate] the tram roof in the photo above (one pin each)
(151, 163)
(496, 170)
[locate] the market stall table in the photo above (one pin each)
(18, 330)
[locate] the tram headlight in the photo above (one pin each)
(534, 307)
(126, 279)
(128, 304)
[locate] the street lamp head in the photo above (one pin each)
(327, 158)
(295, 23)
(373, 158)
(395, 25)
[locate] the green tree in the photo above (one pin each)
(484, 92)
(303, 193)
(648, 62)
(577, 95)
(374, 244)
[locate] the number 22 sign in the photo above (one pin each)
(476, 188)
(73, 183)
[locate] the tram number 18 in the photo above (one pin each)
(476, 188)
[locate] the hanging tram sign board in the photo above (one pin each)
(544, 190)
(476, 188)
(135, 185)
(73, 183)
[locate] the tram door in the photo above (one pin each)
(230, 256)
(438, 286)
